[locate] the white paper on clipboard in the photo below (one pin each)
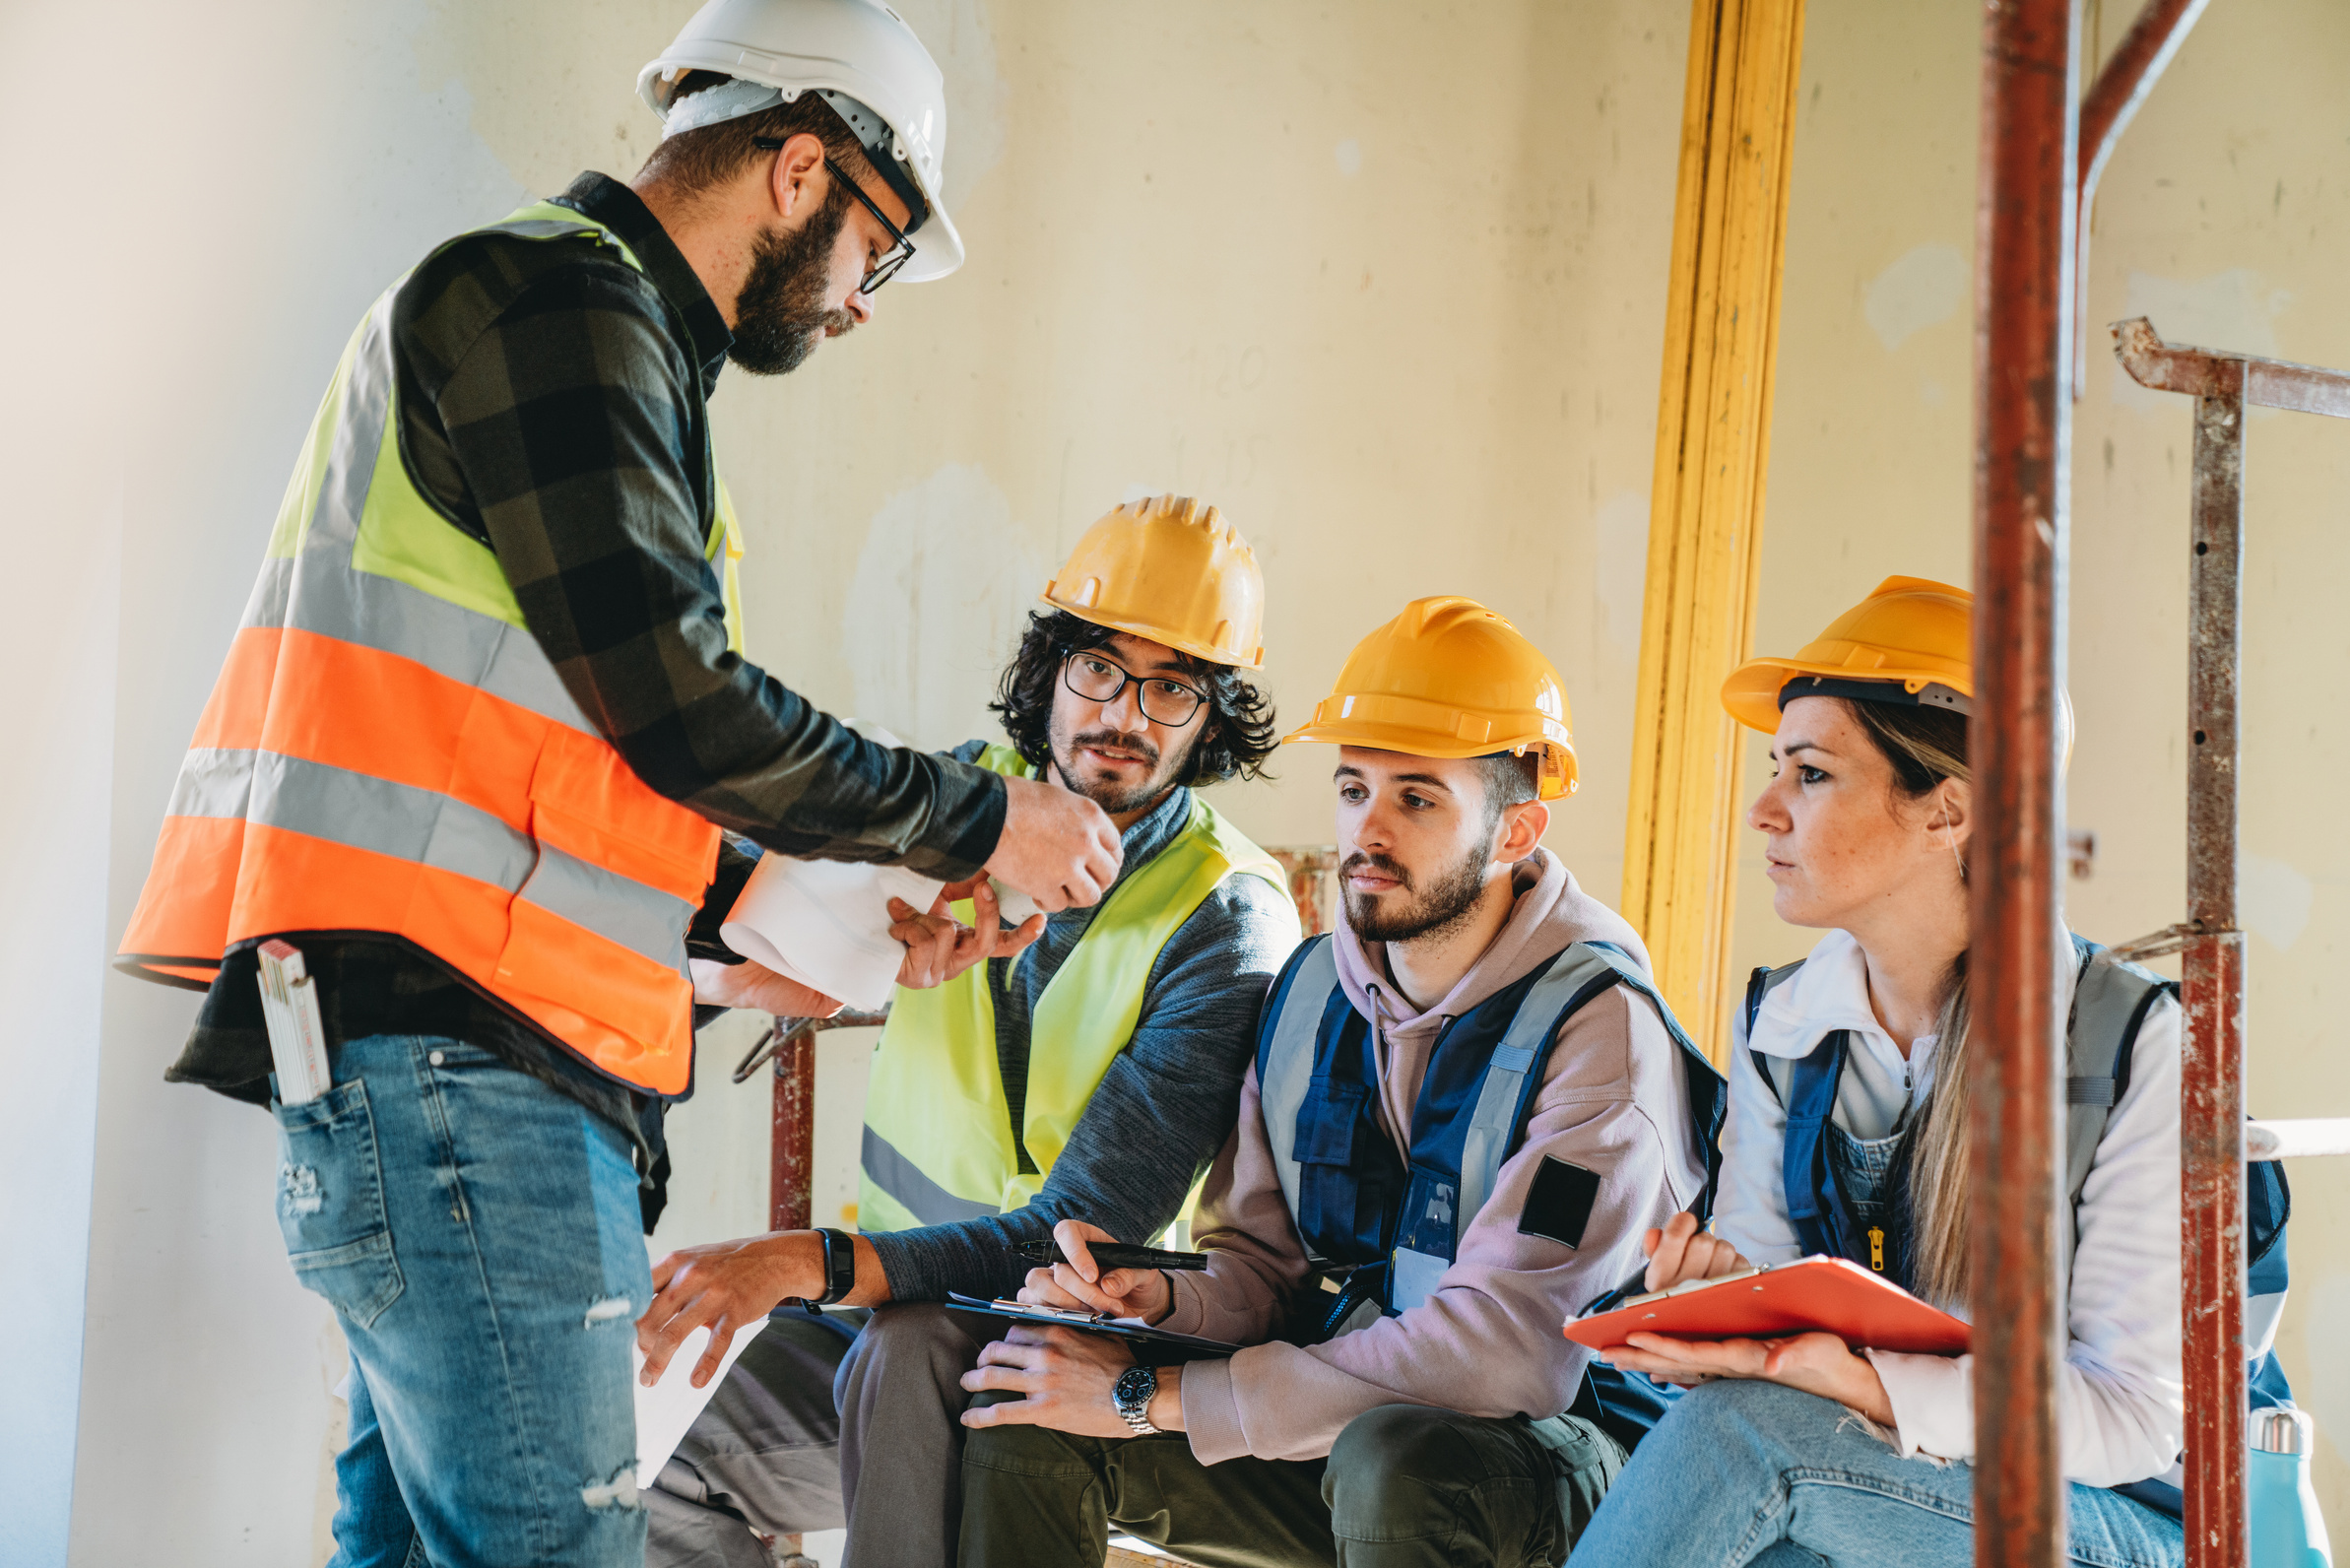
(668, 1408)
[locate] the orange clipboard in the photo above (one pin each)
(1864, 1310)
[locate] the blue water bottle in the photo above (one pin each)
(2287, 1531)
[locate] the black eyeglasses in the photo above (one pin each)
(901, 249)
(1163, 701)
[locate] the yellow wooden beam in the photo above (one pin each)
(1704, 514)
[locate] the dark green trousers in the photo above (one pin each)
(1405, 1487)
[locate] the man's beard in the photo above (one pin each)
(780, 314)
(1446, 901)
(1107, 794)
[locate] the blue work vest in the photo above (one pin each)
(2110, 1004)
(1380, 1230)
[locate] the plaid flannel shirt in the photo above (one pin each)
(553, 406)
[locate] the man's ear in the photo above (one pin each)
(1521, 829)
(794, 180)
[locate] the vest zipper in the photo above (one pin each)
(1876, 1248)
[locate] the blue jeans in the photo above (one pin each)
(1745, 1471)
(480, 1239)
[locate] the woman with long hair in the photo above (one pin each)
(1846, 1135)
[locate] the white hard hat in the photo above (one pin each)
(864, 60)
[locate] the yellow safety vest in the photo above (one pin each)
(388, 750)
(938, 1140)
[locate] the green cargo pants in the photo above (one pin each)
(1405, 1487)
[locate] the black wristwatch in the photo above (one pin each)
(1131, 1396)
(840, 1267)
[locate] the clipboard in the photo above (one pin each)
(1833, 1294)
(1089, 1323)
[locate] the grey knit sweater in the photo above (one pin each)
(1167, 1102)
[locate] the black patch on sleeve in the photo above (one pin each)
(1559, 1203)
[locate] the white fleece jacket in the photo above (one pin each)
(2122, 1399)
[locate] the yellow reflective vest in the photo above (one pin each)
(937, 1126)
(387, 749)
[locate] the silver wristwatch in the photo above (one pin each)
(1130, 1396)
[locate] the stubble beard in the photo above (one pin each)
(1443, 903)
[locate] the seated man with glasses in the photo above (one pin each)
(1094, 1073)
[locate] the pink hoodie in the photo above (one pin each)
(1488, 1340)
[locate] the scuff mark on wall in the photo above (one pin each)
(1622, 523)
(2272, 898)
(1923, 288)
(937, 602)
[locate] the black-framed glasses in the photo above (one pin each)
(901, 249)
(1163, 701)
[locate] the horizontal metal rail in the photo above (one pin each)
(2297, 1138)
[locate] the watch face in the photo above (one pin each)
(1134, 1387)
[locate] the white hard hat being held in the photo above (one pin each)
(861, 57)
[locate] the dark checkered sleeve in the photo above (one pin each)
(569, 417)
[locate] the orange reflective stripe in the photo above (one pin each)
(240, 699)
(378, 713)
(642, 1012)
(326, 700)
(292, 882)
(183, 910)
(591, 804)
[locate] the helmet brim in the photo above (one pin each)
(1558, 778)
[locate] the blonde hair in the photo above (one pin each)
(1926, 746)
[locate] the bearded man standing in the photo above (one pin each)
(475, 746)
(1467, 1106)
(1092, 1074)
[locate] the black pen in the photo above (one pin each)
(1108, 1255)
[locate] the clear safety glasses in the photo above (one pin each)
(901, 249)
(1163, 701)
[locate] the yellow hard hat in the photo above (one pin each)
(1450, 677)
(1171, 569)
(1911, 631)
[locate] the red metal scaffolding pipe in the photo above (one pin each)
(2023, 423)
(2129, 74)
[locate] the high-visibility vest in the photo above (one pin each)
(388, 751)
(1390, 1227)
(937, 1140)
(2111, 999)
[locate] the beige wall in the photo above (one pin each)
(1384, 282)
(2224, 217)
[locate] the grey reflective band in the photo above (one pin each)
(1487, 1144)
(1289, 1061)
(322, 589)
(617, 909)
(904, 1181)
(1413, 1276)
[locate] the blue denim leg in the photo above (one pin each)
(1741, 1473)
(478, 1237)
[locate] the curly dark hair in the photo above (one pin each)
(1239, 736)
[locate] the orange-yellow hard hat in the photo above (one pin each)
(1171, 569)
(1450, 677)
(1910, 633)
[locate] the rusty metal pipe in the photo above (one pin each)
(2136, 64)
(2206, 372)
(2212, 1066)
(2023, 423)
(792, 1146)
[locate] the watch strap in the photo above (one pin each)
(1131, 1397)
(840, 1266)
